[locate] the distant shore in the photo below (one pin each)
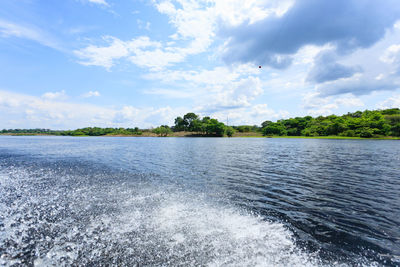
(368, 124)
(235, 135)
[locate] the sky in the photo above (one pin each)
(135, 63)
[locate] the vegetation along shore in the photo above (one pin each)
(376, 124)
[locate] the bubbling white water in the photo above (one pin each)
(132, 223)
(175, 230)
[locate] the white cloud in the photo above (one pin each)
(127, 113)
(392, 57)
(171, 93)
(358, 84)
(157, 55)
(252, 115)
(99, 2)
(196, 23)
(391, 54)
(217, 89)
(143, 24)
(156, 59)
(235, 12)
(233, 95)
(317, 105)
(349, 101)
(61, 95)
(220, 92)
(391, 102)
(31, 111)
(212, 77)
(91, 94)
(25, 111)
(307, 54)
(106, 55)
(11, 29)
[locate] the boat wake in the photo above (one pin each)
(60, 216)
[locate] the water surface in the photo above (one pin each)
(199, 201)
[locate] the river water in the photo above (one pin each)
(199, 202)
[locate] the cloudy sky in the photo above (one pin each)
(76, 63)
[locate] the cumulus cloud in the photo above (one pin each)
(184, 16)
(141, 51)
(91, 94)
(391, 102)
(347, 24)
(326, 68)
(251, 115)
(195, 24)
(236, 12)
(26, 111)
(49, 112)
(106, 55)
(61, 95)
(357, 85)
(234, 95)
(392, 56)
(220, 88)
(99, 2)
(317, 104)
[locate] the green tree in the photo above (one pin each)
(195, 126)
(215, 128)
(265, 124)
(274, 129)
(229, 131)
(244, 128)
(366, 132)
(163, 130)
(191, 121)
(395, 129)
(180, 124)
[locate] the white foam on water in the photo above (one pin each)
(234, 238)
(185, 231)
(151, 226)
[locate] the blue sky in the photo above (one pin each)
(77, 63)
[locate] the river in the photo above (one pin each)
(146, 201)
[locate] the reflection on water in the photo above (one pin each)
(199, 201)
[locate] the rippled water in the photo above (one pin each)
(199, 201)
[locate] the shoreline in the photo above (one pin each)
(234, 136)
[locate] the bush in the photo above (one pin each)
(395, 130)
(366, 132)
(162, 131)
(229, 131)
(348, 133)
(274, 129)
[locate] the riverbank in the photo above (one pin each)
(235, 135)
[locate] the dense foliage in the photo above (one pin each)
(358, 124)
(163, 130)
(88, 131)
(30, 131)
(204, 126)
(97, 131)
(246, 128)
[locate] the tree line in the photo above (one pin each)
(365, 124)
(88, 131)
(369, 123)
